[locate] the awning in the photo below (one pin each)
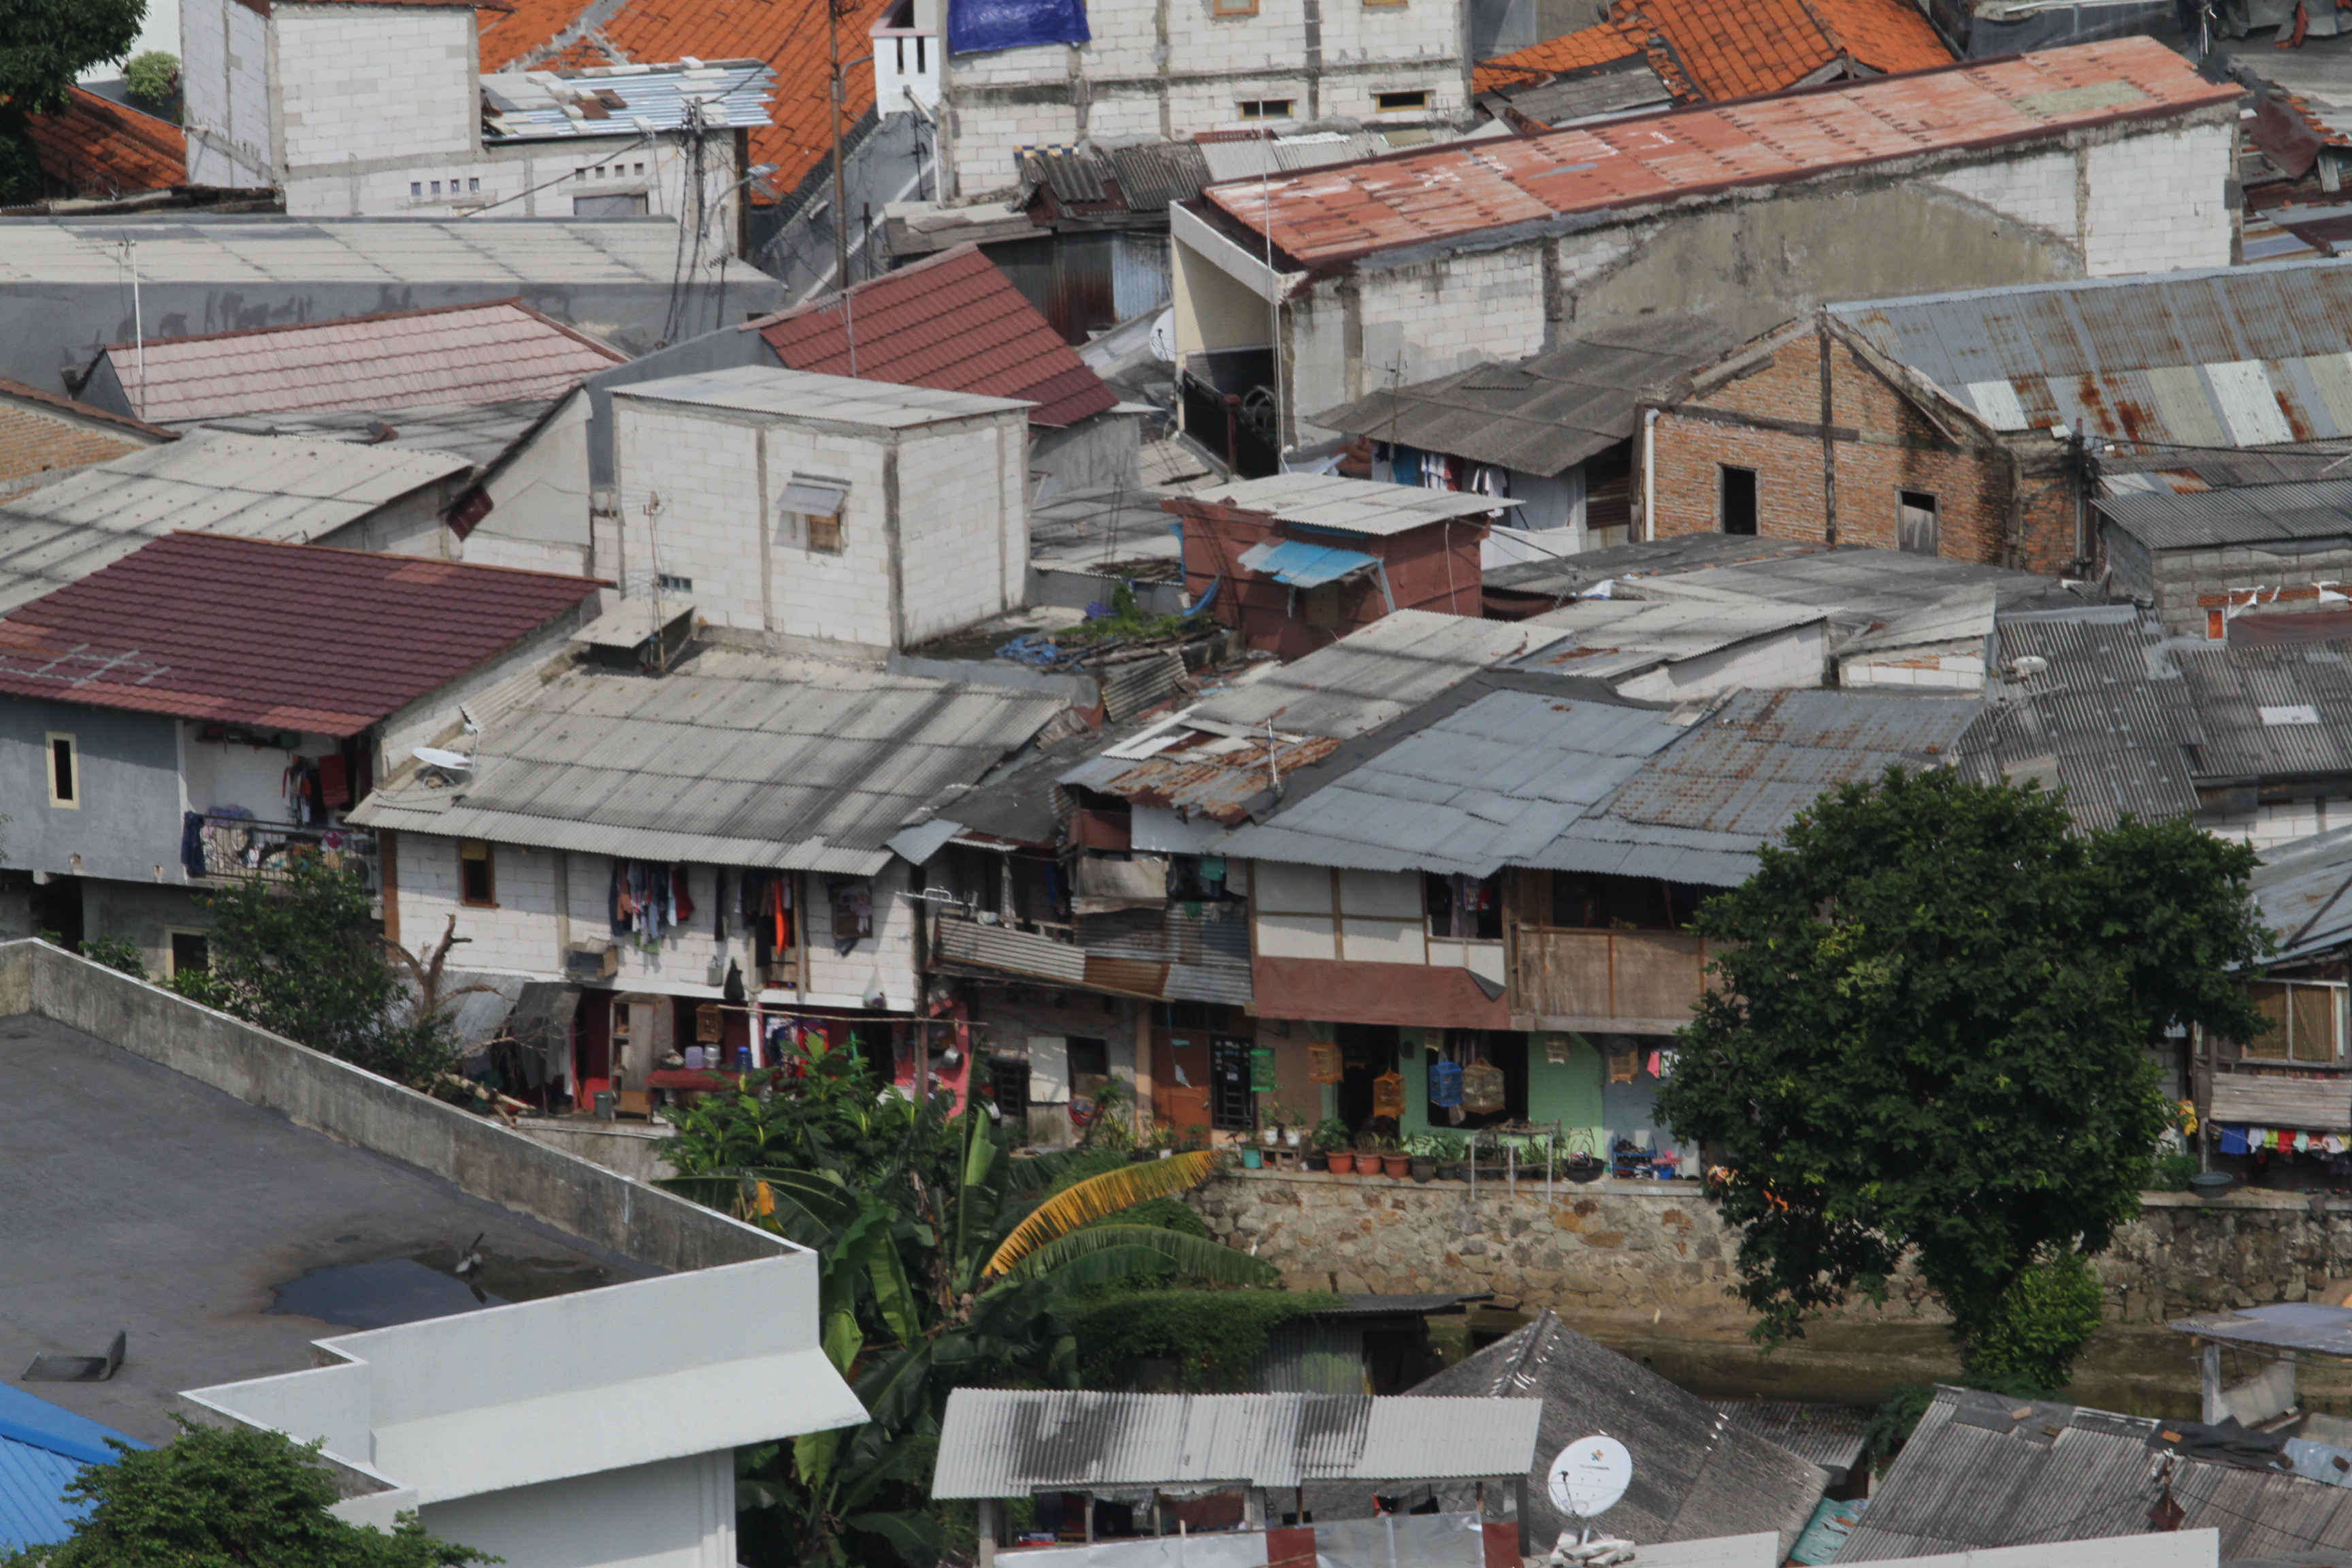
(1304, 565)
(2269, 1100)
(814, 495)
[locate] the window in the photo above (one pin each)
(669, 584)
(810, 514)
(190, 953)
(1915, 530)
(1232, 1108)
(1390, 102)
(437, 187)
(2307, 1022)
(415, 188)
(1264, 107)
(1232, 7)
(1464, 908)
(620, 206)
(1738, 500)
(477, 874)
(1595, 901)
(64, 771)
(641, 168)
(473, 184)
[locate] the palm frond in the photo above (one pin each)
(1195, 1255)
(1038, 1172)
(1099, 1195)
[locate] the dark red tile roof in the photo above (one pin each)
(953, 323)
(293, 637)
(96, 147)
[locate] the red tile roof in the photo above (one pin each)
(1603, 43)
(790, 35)
(1326, 217)
(501, 351)
(99, 148)
(953, 323)
(295, 637)
(17, 391)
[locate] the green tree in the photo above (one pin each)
(44, 46)
(152, 76)
(226, 1497)
(302, 958)
(1930, 1028)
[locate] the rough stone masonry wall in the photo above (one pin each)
(1613, 1244)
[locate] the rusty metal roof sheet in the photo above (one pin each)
(2227, 358)
(1325, 217)
(1005, 1442)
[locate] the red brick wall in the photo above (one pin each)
(1883, 447)
(31, 441)
(1431, 568)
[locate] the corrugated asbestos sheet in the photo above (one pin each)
(2230, 357)
(620, 100)
(1697, 1473)
(1339, 505)
(1830, 1436)
(1002, 1443)
(1490, 784)
(1978, 1474)
(1541, 415)
(2271, 712)
(1371, 675)
(2287, 1325)
(734, 759)
(2304, 890)
(2208, 519)
(1614, 639)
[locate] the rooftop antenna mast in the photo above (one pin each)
(138, 321)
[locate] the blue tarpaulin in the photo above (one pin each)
(1304, 565)
(977, 25)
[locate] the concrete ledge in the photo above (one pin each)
(1681, 1190)
(318, 1091)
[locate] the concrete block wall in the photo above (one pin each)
(2267, 827)
(690, 496)
(364, 82)
(2182, 578)
(842, 598)
(963, 518)
(225, 84)
(1897, 450)
(2158, 201)
(1448, 315)
(539, 179)
(2040, 190)
(886, 959)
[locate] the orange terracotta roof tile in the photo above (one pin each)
(1587, 47)
(99, 148)
(1327, 217)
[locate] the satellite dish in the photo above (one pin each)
(1163, 337)
(447, 761)
(1589, 1476)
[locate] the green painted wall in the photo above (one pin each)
(1568, 1093)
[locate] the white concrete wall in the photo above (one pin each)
(2267, 827)
(1381, 918)
(2040, 190)
(679, 1514)
(219, 772)
(357, 84)
(963, 514)
(1943, 671)
(531, 179)
(225, 85)
(539, 501)
(2156, 202)
(1435, 319)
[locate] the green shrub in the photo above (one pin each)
(2041, 1324)
(115, 952)
(151, 75)
(2171, 1173)
(1213, 1336)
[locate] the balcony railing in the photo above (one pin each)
(240, 846)
(1637, 982)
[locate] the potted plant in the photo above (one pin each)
(1394, 1160)
(1331, 1142)
(1367, 1152)
(1422, 1151)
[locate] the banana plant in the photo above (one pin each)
(954, 1282)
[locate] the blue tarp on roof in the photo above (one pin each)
(976, 25)
(1304, 565)
(41, 1447)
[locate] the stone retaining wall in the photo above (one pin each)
(1625, 1244)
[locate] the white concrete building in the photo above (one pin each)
(2091, 161)
(376, 109)
(810, 512)
(1153, 69)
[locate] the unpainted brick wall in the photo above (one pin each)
(32, 441)
(1897, 450)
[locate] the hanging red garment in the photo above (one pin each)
(335, 779)
(678, 895)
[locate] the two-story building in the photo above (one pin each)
(207, 709)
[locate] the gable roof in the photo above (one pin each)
(953, 323)
(1325, 219)
(496, 352)
(2223, 357)
(203, 625)
(59, 403)
(1697, 1473)
(99, 148)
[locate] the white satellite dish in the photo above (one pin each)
(1589, 1476)
(1163, 337)
(447, 761)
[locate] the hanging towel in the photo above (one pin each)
(334, 780)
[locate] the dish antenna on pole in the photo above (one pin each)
(1589, 1476)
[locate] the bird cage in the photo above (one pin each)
(1388, 1094)
(1323, 1064)
(707, 1025)
(1261, 1069)
(1444, 1085)
(1482, 1088)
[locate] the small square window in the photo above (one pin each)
(669, 584)
(437, 187)
(641, 168)
(1392, 102)
(1232, 7)
(823, 532)
(477, 874)
(416, 187)
(191, 953)
(473, 184)
(64, 771)
(600, 171)
(1265, 109)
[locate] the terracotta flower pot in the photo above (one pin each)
(1342, 1164)
(1398, 1165)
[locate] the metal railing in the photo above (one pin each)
(241, 846)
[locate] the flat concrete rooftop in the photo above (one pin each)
(135, 1198)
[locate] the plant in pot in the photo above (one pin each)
(1399, 1159)
(1367, 1152)
(1331, 1142)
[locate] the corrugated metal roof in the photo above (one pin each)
(1697, 1473)
(1001, 1443)
(2230, 357)
(1304, 565)
(2206, 520)
(1332, 504)
(1830, 1436)
(835, 399)
(2287, 1325)
(2270, 713)
(1324, 218)
(1544, 414)
(499, 352)
(537, 105)
(478, 432)
(732, 759)
(2304, 889)
(1374, 674)
(253, 487)
(1976, 1474)
(1612, 639)
(508, 256)
(1000, 947)
(43, 1446)
(1491, 784)
(1244, 157)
